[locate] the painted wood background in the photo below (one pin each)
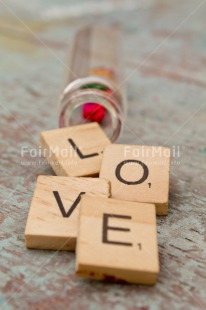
(165, 56)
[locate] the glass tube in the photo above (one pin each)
(93, 76)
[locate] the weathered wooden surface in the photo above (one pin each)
(165, 41)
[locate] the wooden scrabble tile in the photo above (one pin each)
(53, 217)
(117, 241)
(138, 173)
(75, 151)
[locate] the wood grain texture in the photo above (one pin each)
(75, 151)
(138, 173)
(166, 87)
(117, 241)
(52, 222)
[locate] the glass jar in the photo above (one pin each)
(94, 80)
